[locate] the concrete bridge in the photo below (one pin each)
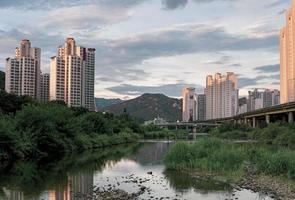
(257, 118)
(188, 125)
(262, 117)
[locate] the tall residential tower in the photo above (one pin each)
(23, 71)
(72, 75)
(221, 96)
(287, 57)
(188, 105)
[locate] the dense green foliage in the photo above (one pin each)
(216, 156)
(154, 132)
(2, 80)
(10, 103)
(32, 130)
(282, 134)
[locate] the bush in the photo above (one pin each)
(280, 134)
(50, 130)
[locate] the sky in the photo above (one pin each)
(154, 46)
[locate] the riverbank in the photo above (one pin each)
(116, 172)
(272, 169)
(31, 130)
(279, 134)
(276, 187)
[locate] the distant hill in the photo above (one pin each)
(148, 107)
(2, 80)
(102, 103)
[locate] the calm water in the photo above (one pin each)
(123, 167)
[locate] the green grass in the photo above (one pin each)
(218, 157)
(166, 134)
(280, 134)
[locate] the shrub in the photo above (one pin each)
(50, 130)
(217, 156)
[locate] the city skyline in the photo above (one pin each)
(138, 54)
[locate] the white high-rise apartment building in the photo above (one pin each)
(72, 75)
(200, 107)
(188, 105)
(221, 96)
(243, 106)
(287, 57)
(44, 87)
(23, 71)
(258, 99)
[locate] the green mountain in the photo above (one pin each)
(148, 107)
(102, 103)
(2, 80)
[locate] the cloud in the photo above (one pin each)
(268, 68)
(37, 4)
(173, 90)
(277, 3)
(53, 4)
(74, 18)
(236, 65)
(173, 4)
(178, 40)
(115, 75)
(245, 81)
(222, 61)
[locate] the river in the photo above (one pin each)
(128, 167)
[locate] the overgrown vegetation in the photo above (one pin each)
(230, 159)
(33, 130)
(281, 134)
(154, 132)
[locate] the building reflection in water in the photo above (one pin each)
(79, 187)
(152, 153)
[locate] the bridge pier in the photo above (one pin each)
(245, 121)
(290, 117)
(195, 130)
(254, 122)
(267, 119)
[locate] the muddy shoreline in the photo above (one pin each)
(274, 187)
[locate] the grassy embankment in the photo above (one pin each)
(229, 160)
(272, 152)
(278, 134)
(31, 130)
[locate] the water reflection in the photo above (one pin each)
(67, 179)
(79, 187)
(123, 167)
(184, 182)
(151, 153)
